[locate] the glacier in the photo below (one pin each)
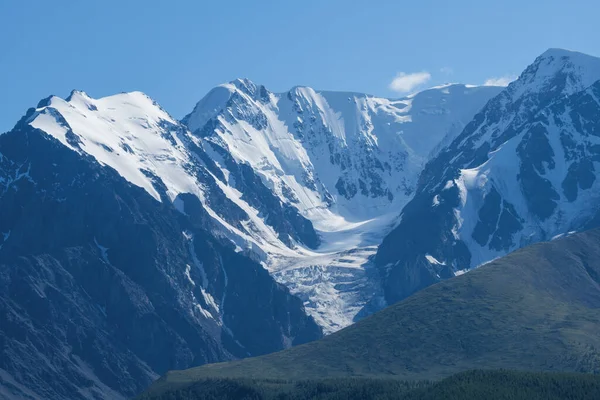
(307, 182)
(349, 162)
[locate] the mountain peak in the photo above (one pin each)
(247, 86)
(77, 93)
(558, 71)
(121, 131)
(559, 53)
(242, 82)
(211, 104)
(560, 59)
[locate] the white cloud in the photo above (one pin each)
(404, 82)
(500, 81)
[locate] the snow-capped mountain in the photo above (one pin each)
(130, 133)
(347, 154)
(110, 270)
(131, 243)
(524, 170)
(347, 162)
(306, 182)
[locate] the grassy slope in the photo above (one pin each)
(535, 309)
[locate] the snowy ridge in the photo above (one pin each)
(130, 133)
(556, 73)
(127, 132)
(335, 154)
(554, 76)
(348, 162)
(269, 167)
(523, 171)
(577, 71)
(503, 173)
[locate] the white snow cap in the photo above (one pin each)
(128, 132)
(581, 71)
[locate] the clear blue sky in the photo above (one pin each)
(177, 50)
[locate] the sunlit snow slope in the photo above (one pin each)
(348, 162)
(523, 171)
(307, 182)
(132, 134)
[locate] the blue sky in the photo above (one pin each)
(177, 50)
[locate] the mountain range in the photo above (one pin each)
(133, 243)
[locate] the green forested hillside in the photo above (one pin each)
(489, 385)
(536, 309)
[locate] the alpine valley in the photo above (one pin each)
(133, 243)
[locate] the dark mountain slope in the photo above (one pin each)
(102, 287)
(535, 309)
